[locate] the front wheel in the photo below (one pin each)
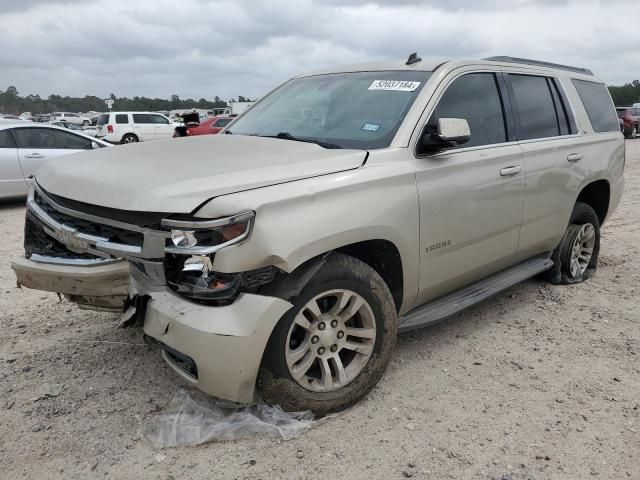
(334, 345)
(576, 258)
(85, 123)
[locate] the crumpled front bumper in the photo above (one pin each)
(98, 286)
(217, 349)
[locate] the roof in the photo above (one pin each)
(430, 65)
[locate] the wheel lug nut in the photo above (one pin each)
(334, 348)
(334, 323)
(320, 350)
(315, 339)
(321, 326)
(340, 334)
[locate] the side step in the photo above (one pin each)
(455, 302)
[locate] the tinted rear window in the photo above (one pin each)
(537, 116)
(597, 101)
(103, 119)
(141, 118)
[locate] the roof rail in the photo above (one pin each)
(526, 61)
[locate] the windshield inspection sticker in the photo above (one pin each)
(394, 85)
(371, 127)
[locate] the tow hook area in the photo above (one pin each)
(135, 309)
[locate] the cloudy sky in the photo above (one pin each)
(204, 48)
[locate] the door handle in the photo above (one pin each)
(508, 171)
(574, 157)
(34, 155)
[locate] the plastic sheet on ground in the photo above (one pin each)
(192, 419)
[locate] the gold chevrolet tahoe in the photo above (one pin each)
(282, 257)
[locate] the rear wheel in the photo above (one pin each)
(576, 258)
(334, 345)
(85, 123)
(129, 138)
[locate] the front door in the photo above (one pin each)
(471, 196)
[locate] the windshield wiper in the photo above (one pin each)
(288, 136)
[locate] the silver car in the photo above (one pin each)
(284, 255)
(26, 146)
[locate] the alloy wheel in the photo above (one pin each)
(582, 250)
(330, 340)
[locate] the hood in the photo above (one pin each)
(179, 174)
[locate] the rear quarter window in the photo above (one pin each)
(122, 118)
(597, 102)
(6, 139)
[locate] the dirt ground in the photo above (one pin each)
(541, 382)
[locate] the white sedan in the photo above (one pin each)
(25, 147)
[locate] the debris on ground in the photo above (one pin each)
(48, 390)
(192, 418)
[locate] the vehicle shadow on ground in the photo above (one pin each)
(12, 203)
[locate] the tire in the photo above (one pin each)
(583, 223)
(129, 138)
(324, 390)
(86, 123)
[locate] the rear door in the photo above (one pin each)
(12, 183)
(143, 127)
(547, 132)
(162, 127)
(36, 146)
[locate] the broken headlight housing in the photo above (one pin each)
(189, 255)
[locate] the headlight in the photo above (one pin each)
(189, 259)
(204, 237)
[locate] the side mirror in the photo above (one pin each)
(451, 133)
(95, 145)
(454, 130)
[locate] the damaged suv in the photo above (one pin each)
(282, 257)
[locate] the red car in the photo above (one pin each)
(209, 126)
(630, 117)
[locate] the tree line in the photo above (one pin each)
(12, 103)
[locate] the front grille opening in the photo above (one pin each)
(114, 234)
(36, 241)
(182, 361)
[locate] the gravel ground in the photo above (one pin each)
(541, 382)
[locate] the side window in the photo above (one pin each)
(536, 115)
(141, 118)
(122, 118)
(159, 120)
(73, 115)
(476, 98)
(222, 122)
(597, 102)
(69, 141)
(6, 139)
(35, 138)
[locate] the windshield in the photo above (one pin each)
(361, 110)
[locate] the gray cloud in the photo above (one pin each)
(203, 48)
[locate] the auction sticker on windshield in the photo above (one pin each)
(394, 85)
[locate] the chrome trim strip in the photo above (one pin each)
(93, 218)
(207, 224)
(72, 262)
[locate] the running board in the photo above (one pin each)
(455, 302)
